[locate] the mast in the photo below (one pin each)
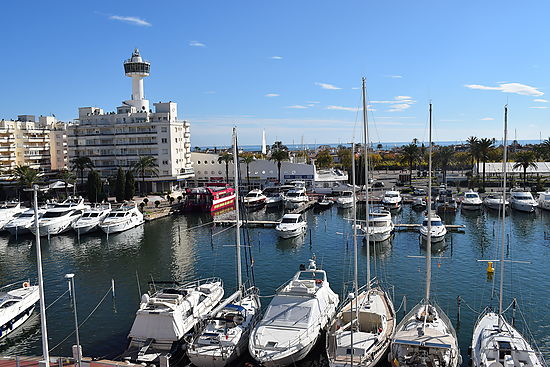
(429, 237)
(504, 167)
(238, 228)
(366, 137)
(355, 281)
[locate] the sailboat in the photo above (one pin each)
(425, 336)
(224, 336)
(361, 332)
(495, 342)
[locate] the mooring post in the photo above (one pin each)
(404, 305)
(458, 301)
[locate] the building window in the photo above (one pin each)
(164, 129)
(198, 162)
(165, 162)
(164, 140)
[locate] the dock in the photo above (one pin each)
(458, 228)
(246, 223)
(303, 208)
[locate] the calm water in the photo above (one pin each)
(167, 249)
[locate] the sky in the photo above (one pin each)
(291, 67)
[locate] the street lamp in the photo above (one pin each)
(70, 280)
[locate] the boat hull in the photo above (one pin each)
(17, 230)
(291, 233)
(52, 228)
(526, 208)
(120, 227)
(287, 360)
(467, 206)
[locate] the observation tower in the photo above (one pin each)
(137, 69)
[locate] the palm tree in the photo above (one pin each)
(248, 158)
(226, 158)
(68, 178)
(26, 176)
(473, 150)
(525, 160)
(442, 157)
(485, 146)
(145, 164)
(410, 154)
(278, 145)
(80, 164)
(546, 146)
(279, 156)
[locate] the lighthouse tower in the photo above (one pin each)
(137, 69)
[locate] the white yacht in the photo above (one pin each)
(274, 196)
(8, 211)
(292, 323)
(544, 200)
(58, 218)
(471, 201)
(438, 229)
(494, 201)
(380, 226)
(91, 218)
(345, 200)
(121, 219)
(16, 306)
(522, 201)
(392, 200)
(21, 224)
(291, 225)
(254, 199)
(323, 202)
(295, 197)
(164, 317)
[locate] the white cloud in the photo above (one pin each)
(297, 106)
(487, 119)
(355, 88)
(395, 76)
(314, 102)
(343, 108)
(272, 95)
(398, 104)
(196, 44)
(399, 107)
(403, 98)
(516, 88)
(540, 100)
(276, 57)
(539, 107)
(327, 86)
(131, 20)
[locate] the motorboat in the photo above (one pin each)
(345, 200)
(274, 196)
(121, 219)
(494, 201)
(291, 225)
(254, 199)
(8, 211)
(380, 226)
(59, 217)
(544, 200)
(392, 200)
(438, 229)
(292, 323)
(21, 223)
(166, 315)
(471, 201)
(323, 202)
(445, 202)
(522, 201)
(91, 218)
(16, 306)
(419, 203)
(295, 197)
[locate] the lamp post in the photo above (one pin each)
(70, 280)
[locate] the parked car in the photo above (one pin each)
(378, 184)
(419, 192)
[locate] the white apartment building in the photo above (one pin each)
(41, 144)
(118, 139)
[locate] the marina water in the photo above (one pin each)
(169, 248)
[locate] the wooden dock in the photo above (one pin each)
(246, 223)
(304, 207)
(459, 228)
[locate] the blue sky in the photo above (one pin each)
(291, 67)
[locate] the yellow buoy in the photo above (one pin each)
(490, 268)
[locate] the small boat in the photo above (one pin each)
(438, 229)
(544, 200)
(164, 317)
(345, 200)
(392, 200)
(323, 202)
(16, 306)
(419, 203)
(380, 226)
(91, 218)
(8, 211)
(59, 218)
(445, 202)
(209, 199)
(471, 201)
(274, 196)
(121, 219)
(292, 323)
(254, 199)
(291, 225)
(21, 223)
(522, 201)
(494, 201)
(295, 197)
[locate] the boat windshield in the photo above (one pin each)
(252, 195)
(377, 223)
(90, 215)
(471, 196)
(434, 223)
(289, 220)
(287, 312)
(117, 215)
(347, 194)
(55, 214)
(392, 195)
(523, 197)
(293, 194)
(310, 275)
(26, 215)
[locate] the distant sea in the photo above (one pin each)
(385, 145)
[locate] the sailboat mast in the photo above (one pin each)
(238, 226)
(504, 167)
(366, 137)
(429, 236)
(355, 280)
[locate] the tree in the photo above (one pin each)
(525, 160)
(26, 177)
(473, 150)
(344, 155)
(279, 156)
(129, 186)
(248, 158)
(80, 164)
(324, 159)
(278, 145)
(410, 155)
(120, 185)
(226, 158)
(68, 178)
(94, 187)
(145, 165)
(485, 146)
(442, 158)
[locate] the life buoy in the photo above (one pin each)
(318, 281)
(26, 284)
